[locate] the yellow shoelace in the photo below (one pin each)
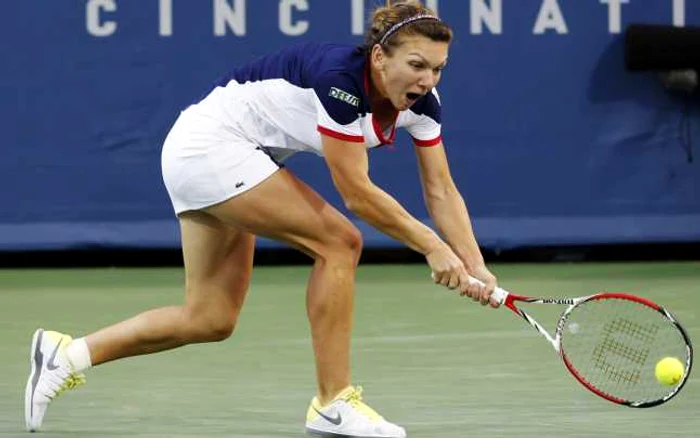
(355, 399)
(73, 381)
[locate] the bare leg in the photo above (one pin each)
(286, 209)
(330, 304)
(218, 263)
(218, 249)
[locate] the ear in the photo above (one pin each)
(378, 57)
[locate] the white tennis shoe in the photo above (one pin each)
(348, 416)
(51, 374)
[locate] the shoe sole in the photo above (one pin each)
(323, 434)
(35, 358)
(328, 434)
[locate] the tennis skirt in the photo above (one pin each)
(205, 162)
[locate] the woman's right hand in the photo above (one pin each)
(447, 269)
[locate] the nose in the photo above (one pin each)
(428, 80)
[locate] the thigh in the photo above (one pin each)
(218, 262)
(284, 208)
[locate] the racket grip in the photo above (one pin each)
(498, 295)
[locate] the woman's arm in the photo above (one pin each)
(449, 211)
(349, 167)
(446, 205)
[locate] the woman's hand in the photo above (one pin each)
(481, 292)
(447, 269)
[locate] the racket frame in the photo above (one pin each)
(509, 299)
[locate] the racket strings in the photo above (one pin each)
(613, 345)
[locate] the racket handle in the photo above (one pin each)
(498, 295)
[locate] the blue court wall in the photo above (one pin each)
(550, 140)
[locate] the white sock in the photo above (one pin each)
(78, 355)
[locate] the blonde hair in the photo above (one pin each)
(406, 18)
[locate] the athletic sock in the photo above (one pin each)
(78, 355)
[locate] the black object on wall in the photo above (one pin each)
(658, 48)
(673, 52)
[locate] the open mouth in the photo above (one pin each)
(412, 96)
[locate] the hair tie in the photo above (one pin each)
(408, 20)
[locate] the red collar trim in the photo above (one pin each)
(380, 134)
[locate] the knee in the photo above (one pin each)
(354, 242)
(208, 325)
(343, 244)
(219, 330)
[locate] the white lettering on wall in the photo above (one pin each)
(550, 17)
(94, 25)
(432, 4)
(480, 13)
(485, 16)
(285, 17)
(165, 10)
(358, 17)
(679, 13)
(614, 14)
(227, 17)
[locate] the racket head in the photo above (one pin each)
(611, 342)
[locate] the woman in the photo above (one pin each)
(226, 187)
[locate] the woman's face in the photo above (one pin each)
(412, 70)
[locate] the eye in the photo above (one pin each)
(416, 65)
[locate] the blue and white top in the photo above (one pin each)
(284, 100)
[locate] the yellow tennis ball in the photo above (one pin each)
(669, 371)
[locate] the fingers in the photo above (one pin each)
(451, 271)
(484, 297)
(471, 290)
(489, 288)
(449, 279)
(447, 269)
(480, 291)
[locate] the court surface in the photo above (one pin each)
(440, 365)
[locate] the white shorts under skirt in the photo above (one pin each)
(205, 162)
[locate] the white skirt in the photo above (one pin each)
(205, 162)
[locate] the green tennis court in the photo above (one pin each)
(437, 364)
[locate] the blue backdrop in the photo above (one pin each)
(550, 140)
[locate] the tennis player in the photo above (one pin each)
(220, 167)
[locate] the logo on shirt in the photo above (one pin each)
(346, 97)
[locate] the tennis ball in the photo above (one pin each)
(669, 371)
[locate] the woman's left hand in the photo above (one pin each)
(478, 292)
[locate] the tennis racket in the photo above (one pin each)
(611, 343)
